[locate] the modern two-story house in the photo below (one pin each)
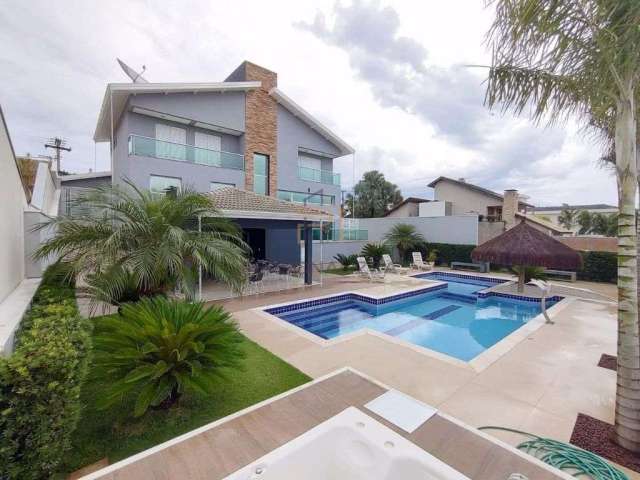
(268, 163)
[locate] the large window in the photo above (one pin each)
(213, 186)
(171, 142)
(261, 174)
(207, 151)
(163, 185)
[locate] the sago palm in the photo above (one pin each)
(130, 243)
(157, 349)
(375, 250)
(404, 237)
(582, 58)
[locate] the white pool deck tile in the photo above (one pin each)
(538, 381)
(401, 410)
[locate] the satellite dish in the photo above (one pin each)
(131, 73)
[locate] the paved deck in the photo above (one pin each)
(223, 447)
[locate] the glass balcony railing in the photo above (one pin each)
(308, 198)
(319, 176)
(150, 147)
(336, 235)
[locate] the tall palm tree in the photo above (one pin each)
(128, 243)
(582, 57)
(404, 237)
(568, 217)
(373, 196)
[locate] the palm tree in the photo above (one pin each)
(404, 237)
(130, 243)
(158, 349)
(582, 57)
(568, 217)
(374, 196)
(374, 251)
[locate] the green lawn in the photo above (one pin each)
(340, 271)
(116, 434)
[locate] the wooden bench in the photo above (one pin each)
(481, 267)
(562, 274)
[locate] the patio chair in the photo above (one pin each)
(366, 272)
(389, 266)
(418, 263)
(256, 282)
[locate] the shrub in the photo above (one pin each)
(347, 261)
(40, 383)
(375, 252)
(599, 267)
(158, 349)
(404, 237)
(447, 252)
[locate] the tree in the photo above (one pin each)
(374, 196)
(568, 217)
(585, 222)
(130, 243)
(158, 349)
(556, 59)
(404, 237)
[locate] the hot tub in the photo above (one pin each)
(350, 445)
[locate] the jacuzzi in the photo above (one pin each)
(350, 445)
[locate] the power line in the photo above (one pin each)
(57, 144)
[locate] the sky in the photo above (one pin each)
(400, 81)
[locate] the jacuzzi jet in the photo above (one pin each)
(389, 444)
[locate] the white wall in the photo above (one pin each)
(12, 204)
(434, 209)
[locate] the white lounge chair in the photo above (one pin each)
(389, 266)
(418, 263)
(366, 272)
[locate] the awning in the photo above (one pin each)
(235, 203)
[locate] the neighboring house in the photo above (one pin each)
(243, 133)
(409, 207)
(15, 290)
(553, 213)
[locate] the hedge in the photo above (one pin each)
(40, 383)
(597, 266)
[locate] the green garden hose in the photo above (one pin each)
(563, 456)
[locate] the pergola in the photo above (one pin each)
(242, 205)
(525, 246)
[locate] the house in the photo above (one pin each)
(242, 134)
(409, 207)
(552, 213)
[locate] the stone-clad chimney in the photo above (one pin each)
(509, 208)
(261, 121)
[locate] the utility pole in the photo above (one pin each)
(57, 144)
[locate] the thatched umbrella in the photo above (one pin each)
(524, 246)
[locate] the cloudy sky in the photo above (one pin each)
(390, 77)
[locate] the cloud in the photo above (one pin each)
(449, 99)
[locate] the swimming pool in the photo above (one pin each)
(455, 318)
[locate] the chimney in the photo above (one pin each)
(509, 208)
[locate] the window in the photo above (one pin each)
(213, 186)
(162, 185)
(261, 174)
(300, 197)
(310, 162)
(208, 147)
(171, 142)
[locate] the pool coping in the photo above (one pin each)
(477, 364)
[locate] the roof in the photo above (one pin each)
(595, 206)
(83, 176)
(308, 119)
(471, 186)
(525, 245)
(543, 223)
(590, 243)
(117, 95)
(236, 203)
(405, 201)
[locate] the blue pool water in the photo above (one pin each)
(452, 321)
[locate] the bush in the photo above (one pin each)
(599, 267)
(347, 261)
(375, 252)
(40, 383)
(158, 349)
(447, 252)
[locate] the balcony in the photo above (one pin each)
(150, 147)
(319, 176)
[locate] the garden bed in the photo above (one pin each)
(116, 434)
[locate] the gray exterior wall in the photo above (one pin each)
(292, 135)
(86, 182)
(281, 238)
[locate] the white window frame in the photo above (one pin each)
(171, 142)
(208, 149)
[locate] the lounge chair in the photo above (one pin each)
(389, 266)
(418, 263)
(366, 272)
